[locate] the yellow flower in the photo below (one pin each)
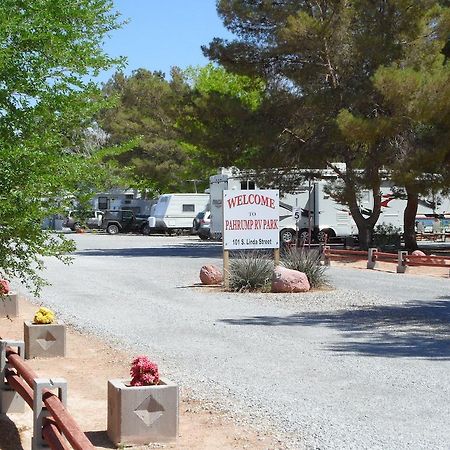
(44, 315)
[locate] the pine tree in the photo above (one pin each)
(325, 55)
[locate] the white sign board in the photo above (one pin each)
(251, 219)
(296, 213)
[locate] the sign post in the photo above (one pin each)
(296, 214)
(250, 221)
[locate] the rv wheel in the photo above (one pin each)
(325, 235)
(146, 230)
(287, 236)
(303, 235)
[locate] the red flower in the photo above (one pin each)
(143, 372)
(4, 287)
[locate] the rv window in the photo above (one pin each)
(188, 208)
(247, 184)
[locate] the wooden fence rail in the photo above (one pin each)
(373, 255)
(52, 423)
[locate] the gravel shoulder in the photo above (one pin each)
(364, 365)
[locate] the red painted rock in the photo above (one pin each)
(287, 280)
(4, 286)
(418, 253)
(211, 275)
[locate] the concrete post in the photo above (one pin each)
(401, 265)
(40, 411)
(10, 400)
(371, 258)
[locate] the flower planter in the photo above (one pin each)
(142, 414)
(44, 340)
(9, 305)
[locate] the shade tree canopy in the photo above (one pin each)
(49, 51)
(325, 55)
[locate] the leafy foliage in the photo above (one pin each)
(250, 271)
(221, 116)
(49, 51)
(322, 57)
(307, 261)
(146, 111)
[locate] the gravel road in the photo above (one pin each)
(363, 366)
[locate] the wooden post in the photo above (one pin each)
(226, 267)
(276, 256)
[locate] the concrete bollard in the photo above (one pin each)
(401, 265)
(371, 258)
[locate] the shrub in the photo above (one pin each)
(250, 272)
(44, 315)
(387, 236)
(308, 262)
(143, 372)
(4, 287)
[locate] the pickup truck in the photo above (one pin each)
(124, 221)
(79, 219)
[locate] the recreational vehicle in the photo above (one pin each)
(312, 211)
(176, 212)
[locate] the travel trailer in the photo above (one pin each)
(330, 218)
(176, 212)
(312, 210)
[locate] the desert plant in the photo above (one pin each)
(143, 372)
(250, 271)
(44, 315)
(4, 287)
(308, 262)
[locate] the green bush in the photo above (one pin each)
(308, 262)
(387, 237)
(250, 272)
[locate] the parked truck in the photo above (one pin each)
(175, 212)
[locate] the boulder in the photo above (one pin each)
(287, 280)
(211, 275)
(418, 253)
(4, 286)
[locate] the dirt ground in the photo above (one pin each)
(87, 367)
(441, 272)
(90, 363)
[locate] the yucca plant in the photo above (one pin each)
(308, 262)
(250, 272)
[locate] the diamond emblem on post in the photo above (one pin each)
(46, 340)
(149, 411)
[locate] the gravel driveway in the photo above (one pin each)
(364, 366)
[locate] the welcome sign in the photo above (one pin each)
(251, 219)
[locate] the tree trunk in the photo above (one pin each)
(409, 219)
(365, 225)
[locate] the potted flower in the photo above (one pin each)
(9, 301)
(143, 409)
(44, 337)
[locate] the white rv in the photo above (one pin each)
(176, 212)
(328, 218)
(317, 210)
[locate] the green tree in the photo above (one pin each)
(49, 50)
(324, 54)
(220, 117)
(146, 112)
(414, 115)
